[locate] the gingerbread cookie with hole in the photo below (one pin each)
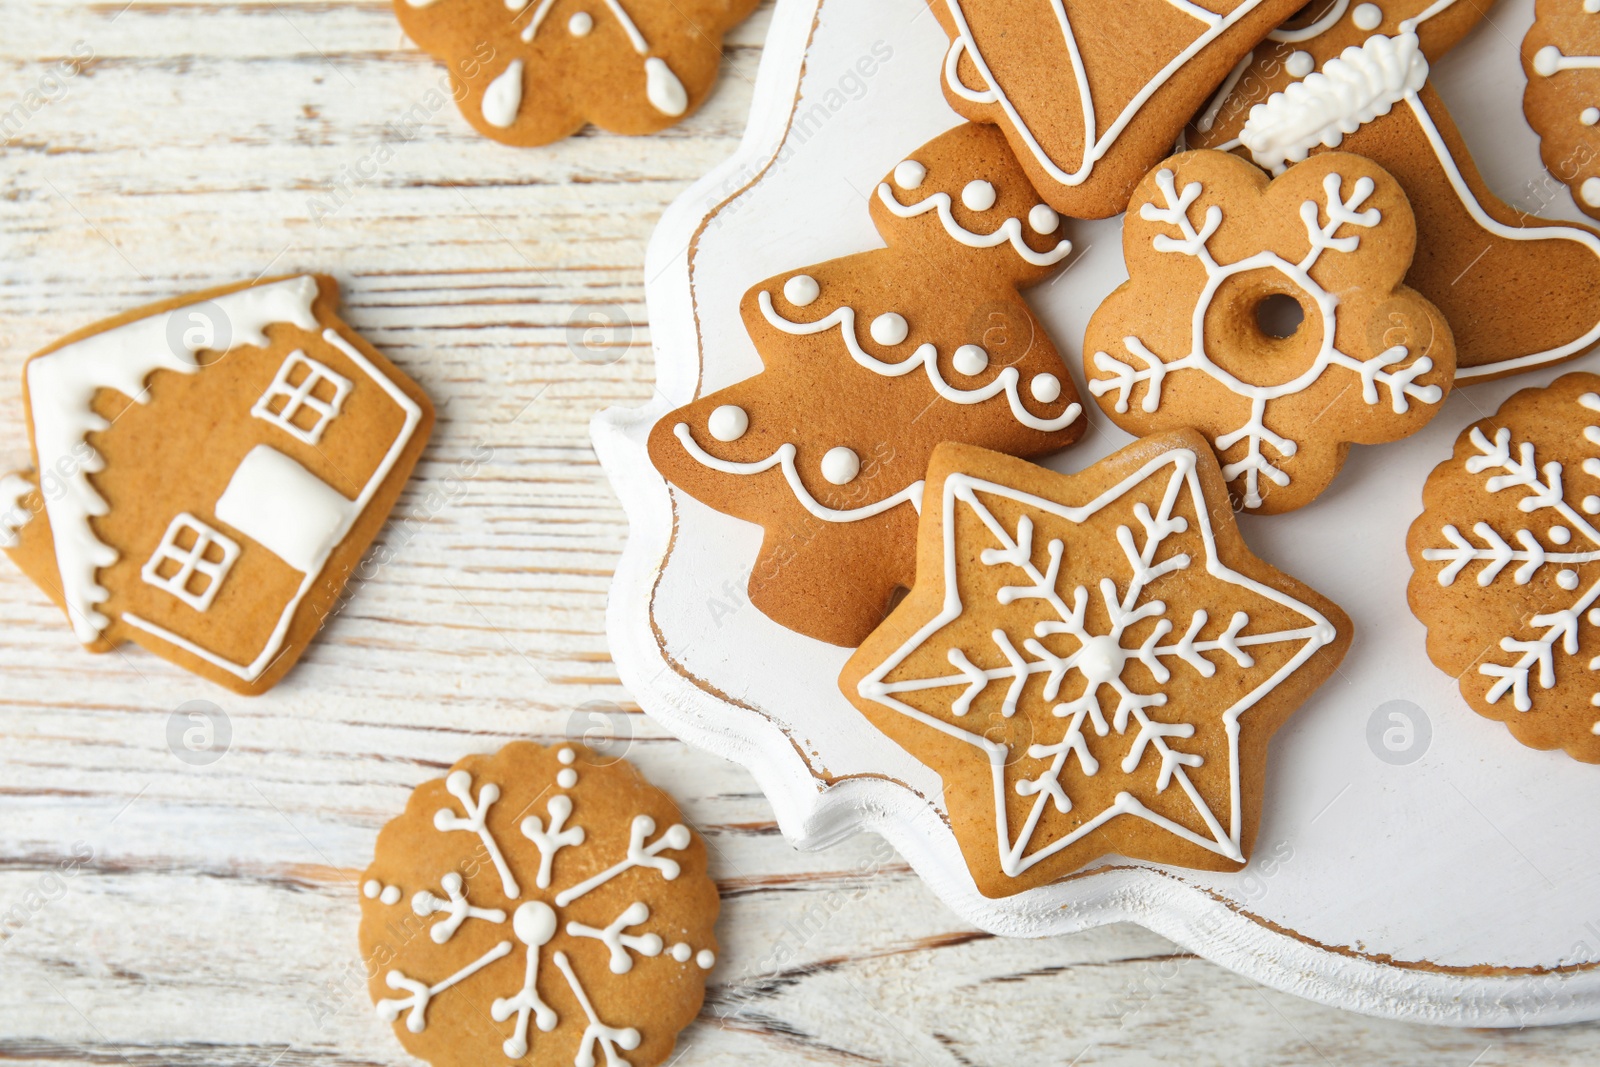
(540, 905)
(1093, 663)
(208, 472)
(1212, 246)
(529, 72)
(1518, 291)
(871, 361)
(1506, 566)
(1091, 95)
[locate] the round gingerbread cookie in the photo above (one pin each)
(540, 905)
(1561, 57)
(1194, 338)
(1506, 558)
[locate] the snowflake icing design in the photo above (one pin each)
(536, 918)
(1383, 378)
(1099, 656)
(1508, 464)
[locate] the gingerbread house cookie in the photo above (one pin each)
(1092, 663)
(1091, 95)
(528, 72)
(208, 472)
(541, 905)
(870, 362)
(1518, 291)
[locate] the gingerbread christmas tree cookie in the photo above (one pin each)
(1092, 663)
(208, 472)
(870, 362)
(528, 72)
(540, 905)
(1209, 243)
(1506, 559)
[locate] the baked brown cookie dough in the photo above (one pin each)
(1561, 57)
(1093, 663)
(539, 905)
(528, 72)
(208, 472)
(1506, 565)
(1188, 340)
(870, 362)
(1092, 95)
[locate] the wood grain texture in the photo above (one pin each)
(162, 913)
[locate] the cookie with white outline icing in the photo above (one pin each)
(871, 361)
(528, 72)
(1091, 96)
(539, 905)
(1093, 663)
(1519, 291)
(1561, 57)
(209, 471)
(1210, 242)
(1506, 566)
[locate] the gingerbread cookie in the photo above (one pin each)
(1561, 57)
(1092, 95)
(540, 905)
(1092, 663)
(1210, 243)
(208, 471)
(528, 72)
(871, 361)
(1506, 565)
(1517, 290)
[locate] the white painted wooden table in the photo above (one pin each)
(161, 911)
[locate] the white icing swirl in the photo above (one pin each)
(1351, 89)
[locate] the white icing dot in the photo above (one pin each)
(372, 889)
(1299, 64)
(889, 328)
(1560, 534)
(682, 952)
(908, 174)
(970, 360)
(1591, 7)
(1547, 60)
(1590, 116)
(1591, 505)
(390, 895)
(706, 959)
(1568, 580)
(566, 778)
(580, 24)
(978, 195)
(840, 465)
(1046, 388)
(801, 290)
(1043, 219)
(503, 98)
(727, 423)
(1590, 191)
(1367, 16)
(1594, 618)
(566, 756)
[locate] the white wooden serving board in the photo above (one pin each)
(1462, 887)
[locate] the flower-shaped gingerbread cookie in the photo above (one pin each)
(540, 905)
(1506, 559)
(1092, 663)
(528, 72)
(1195, 337)
(1561, 57)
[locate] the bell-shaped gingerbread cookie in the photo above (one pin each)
(1519, 291)
(871, 361)
(1092, 95)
